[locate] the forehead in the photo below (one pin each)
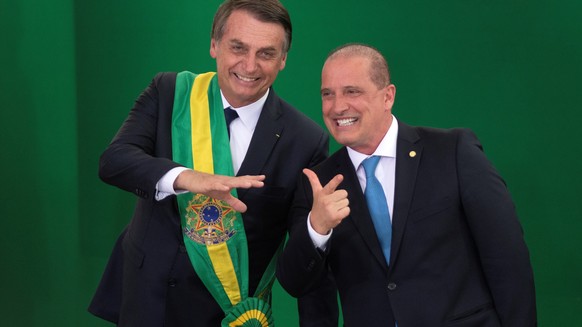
(346, 70)
(241, 26)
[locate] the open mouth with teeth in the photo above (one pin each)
(246, 78)
(346, 121)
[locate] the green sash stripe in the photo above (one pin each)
(181, 134)
(218, 251)
(214, 233)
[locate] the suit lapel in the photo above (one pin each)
(267, 132)
(359, 212)
(408, 155)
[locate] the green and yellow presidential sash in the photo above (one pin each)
(213, 232)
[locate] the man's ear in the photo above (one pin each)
(283, 61)
(213, 47)
(389, 96)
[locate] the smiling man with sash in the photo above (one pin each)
(213, 199)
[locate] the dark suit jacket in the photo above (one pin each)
(458, 257)
(133, 288)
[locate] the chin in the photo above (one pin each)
(341, 140)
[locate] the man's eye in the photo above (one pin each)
(267, 55)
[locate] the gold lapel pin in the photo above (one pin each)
(412, 154)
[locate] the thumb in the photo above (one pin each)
(236, 204)
(313, 179)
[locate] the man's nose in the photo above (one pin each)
(250, 63)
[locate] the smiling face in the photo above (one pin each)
(356, 112)
(248, 57)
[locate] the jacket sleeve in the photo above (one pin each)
(140, 153)
(497, 233)
(301, 266)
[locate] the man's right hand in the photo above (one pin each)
(330, 206)
(217, 186)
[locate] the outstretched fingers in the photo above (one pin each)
(330, 187)
(247, 181)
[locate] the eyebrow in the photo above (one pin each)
(239, 42)
(235, 41)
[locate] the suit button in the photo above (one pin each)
(141, 193)
(172, 282)
(391, 286)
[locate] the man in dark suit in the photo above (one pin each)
(428, 237)
(176, 264)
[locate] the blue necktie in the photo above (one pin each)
(378, 206)
(229, 115)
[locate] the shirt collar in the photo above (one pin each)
(249, 114)
(386, 148)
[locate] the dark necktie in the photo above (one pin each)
(378, 206)
(229, 115)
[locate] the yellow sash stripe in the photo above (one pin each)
(200, 122)
(222, 263)
(203, 161)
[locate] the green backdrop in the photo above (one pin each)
(71, 70)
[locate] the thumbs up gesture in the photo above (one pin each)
(330, 206)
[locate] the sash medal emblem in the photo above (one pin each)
(209, 221)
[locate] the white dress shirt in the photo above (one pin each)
(242, 129)
(385, 173)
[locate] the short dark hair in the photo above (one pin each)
(270, 11)
(379, 72)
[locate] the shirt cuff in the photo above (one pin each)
(320, 241)
(165, 186)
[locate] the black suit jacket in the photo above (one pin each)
(458, 257)
(133, 287)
